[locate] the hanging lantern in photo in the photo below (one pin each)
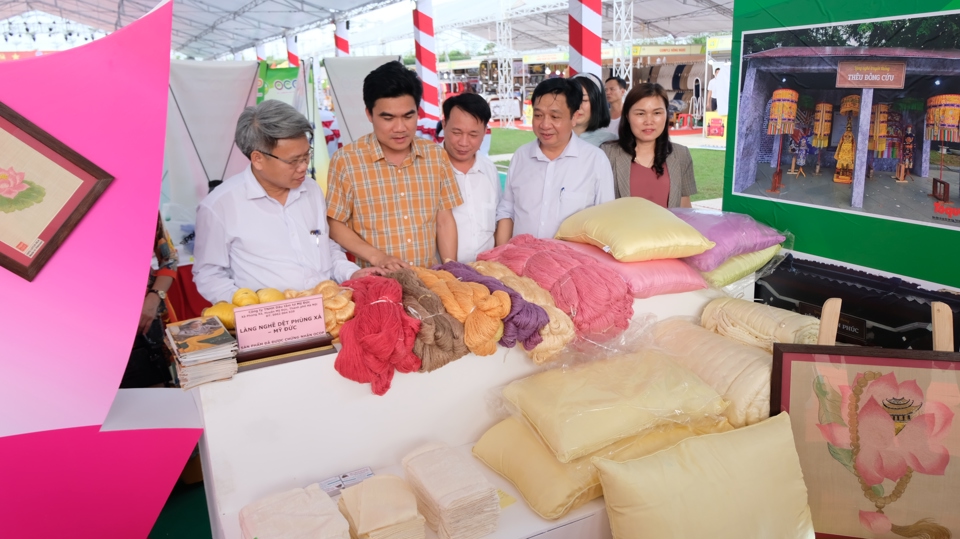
(943, 118)
(850, 105)
(878, 128)
(783, 112)
(822, 125)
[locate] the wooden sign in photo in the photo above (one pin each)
(45, 189)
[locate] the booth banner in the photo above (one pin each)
(261, 80)
(843, 199)
(716, 124)
(281, 84)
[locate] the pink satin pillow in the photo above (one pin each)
(734, 234)
(646, 279)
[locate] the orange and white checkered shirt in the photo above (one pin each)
(393, 208)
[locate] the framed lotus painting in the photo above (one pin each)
(876, 436)
(45, 189)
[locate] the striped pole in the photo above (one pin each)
(261, 52)
(342, 38)
(585, 31)
(427, 58)
(293, 55)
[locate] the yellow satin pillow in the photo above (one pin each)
(733, 485)
(581, 409)
(553, 489)
(738, 267)
(634, 229)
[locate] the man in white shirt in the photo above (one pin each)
(713, 88)
(465, 119)
(556, 175)
(614, 89)
(267, 226)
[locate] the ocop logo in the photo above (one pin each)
(288, 84)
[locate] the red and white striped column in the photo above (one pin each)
(586, 25)
(342, 37)
(427, 58)
(293, 54)
(261, 52)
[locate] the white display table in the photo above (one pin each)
(285, 426)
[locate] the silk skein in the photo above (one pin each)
(440, 339)
(525, 320)
(480, 311)
(380, 337)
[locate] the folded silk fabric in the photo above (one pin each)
(740, 373)
(757, 324)
(301, 513)
(455, 498)
(381, 507)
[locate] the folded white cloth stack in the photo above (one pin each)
(757, 324)
(301, 513)
(381, 507)
(453, 495)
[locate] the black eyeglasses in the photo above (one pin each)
(305, 160)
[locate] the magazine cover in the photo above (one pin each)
(198, 334)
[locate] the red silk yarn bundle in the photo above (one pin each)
(379, 339)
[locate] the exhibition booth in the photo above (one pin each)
(646, 372)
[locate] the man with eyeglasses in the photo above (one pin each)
(267, 226)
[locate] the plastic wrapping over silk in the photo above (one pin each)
(634, 229)
(732, 485)
(553, 489)
(733, 233)
(650, 278)
(301, 513)
(558, 332)
(740, 266)
(581, 409)
(738, 372)
(454, 497)
(595, 297)
(757, 324)
(381, 507)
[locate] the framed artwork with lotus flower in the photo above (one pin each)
(45, 190)
(875, 433)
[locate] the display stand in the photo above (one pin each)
(941, 322)
(290, 425)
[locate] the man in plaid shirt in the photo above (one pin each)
(391, 195)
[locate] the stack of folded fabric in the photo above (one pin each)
(456, 499)
(301, 513)
(381, 507)
(757, 324)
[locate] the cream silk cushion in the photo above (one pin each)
(553, 489)
(582, 409)
(741, 484)
(738, 267)
(634, 229)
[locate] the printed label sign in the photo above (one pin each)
(871, 75)
(279, 322)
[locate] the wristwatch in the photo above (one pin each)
(160, 293)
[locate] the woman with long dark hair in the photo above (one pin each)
(594, 114)
(645, 163)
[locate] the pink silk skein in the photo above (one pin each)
(380, 337)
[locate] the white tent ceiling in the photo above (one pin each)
(211, 28)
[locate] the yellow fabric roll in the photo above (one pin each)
(738, 267)
(480, 311)
(553, 489)
(740, 373)
(558, 333)
(634, 229)
(757, 324)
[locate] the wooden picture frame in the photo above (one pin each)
(45, 190)
(874, 428)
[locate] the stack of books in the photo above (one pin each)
(204, 349)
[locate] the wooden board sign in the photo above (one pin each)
(859, 74)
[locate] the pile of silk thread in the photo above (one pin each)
(379, 339)
(594, 296)
(480, 311)
(525, 320)
(440, 339)
(559, 330)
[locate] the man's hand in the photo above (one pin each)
(387, 262)
(359, 274)
(149, 313)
